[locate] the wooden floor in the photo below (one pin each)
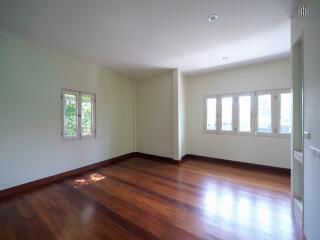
(144, 199)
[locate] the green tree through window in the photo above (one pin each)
(70, 115)
(86, 114)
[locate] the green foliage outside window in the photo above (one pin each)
(86, 113)
(70, 115)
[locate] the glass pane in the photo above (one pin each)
(70, 115)
(264, 113)
(285, 113)
(245, 113)
(211, 114)
(86, 115)
(227, 114)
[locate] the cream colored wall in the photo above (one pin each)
(31, 78)
(260, 150)
(131, 115)
(154, 115)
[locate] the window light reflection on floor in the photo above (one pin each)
(92, 178)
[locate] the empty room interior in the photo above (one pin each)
(159, 119)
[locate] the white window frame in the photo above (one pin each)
(220, 130)
(252, 116)
(275, 113)
(79, 135)
(205, 119)
(281, 91)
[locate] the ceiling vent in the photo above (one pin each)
(303, 9)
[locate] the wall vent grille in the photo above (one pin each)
(303, 9)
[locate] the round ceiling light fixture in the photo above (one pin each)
(213, 18)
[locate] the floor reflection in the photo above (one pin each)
(92, 178)
(249, 211)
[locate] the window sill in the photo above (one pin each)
(248, 134)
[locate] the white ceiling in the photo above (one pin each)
(139, 37)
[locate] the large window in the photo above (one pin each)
(266, 113)
(78, 114)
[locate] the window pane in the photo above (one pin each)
(285, 113)
(245, 113)
(211, 114)
(86, 115)
(227, 114)
(264, 113)
(70, 115)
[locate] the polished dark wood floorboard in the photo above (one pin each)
(144, 199)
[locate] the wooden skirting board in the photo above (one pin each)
(37, 183)
(251, 166)
(157, 158)
(244, 165)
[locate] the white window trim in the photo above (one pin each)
(281, 91)
(252, 116)
(63, 136)
(94, 125)
(79, 135)
(205, 130)
(275, 113)
(220, 130)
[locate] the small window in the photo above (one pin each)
(245, 113)
(285, 113)
(226, 111)
(78, 115)
(211, 114)
(264, 114)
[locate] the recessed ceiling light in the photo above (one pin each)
(212, 18)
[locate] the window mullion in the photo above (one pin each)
(219, 115)
(94, 115)
(253, 113)
(205, 113)
(235, 114)
(275, 111)
(79, 115)
(63, 131)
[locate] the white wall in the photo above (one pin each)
(308, 27)
(154, 115)
(260, 150)
(31, 78)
